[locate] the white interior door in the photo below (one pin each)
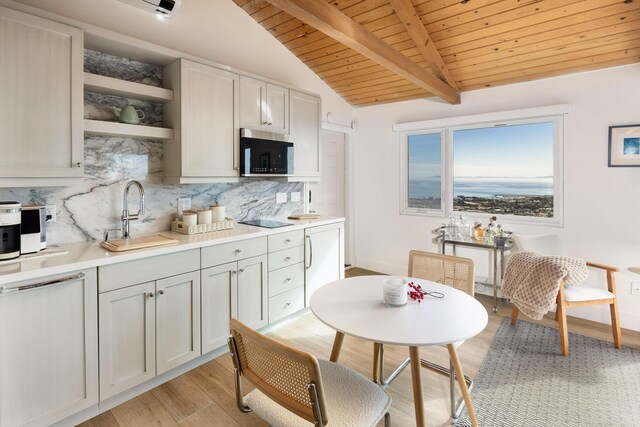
(327, 196)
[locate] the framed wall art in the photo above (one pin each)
(624, 146)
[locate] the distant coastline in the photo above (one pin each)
(538, 206)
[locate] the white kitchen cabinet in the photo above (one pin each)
(48, 349)
(205, 118)
(127, 338)
(41, 79)
(237, 288)
(177, 320)
(233, 290)
(263, 106)
(149, 318)
(324, 256)
(148, 329)
(252, 291)
(286, 274)
(219, 304)
(305, 134)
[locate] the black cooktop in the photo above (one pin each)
(266, 223)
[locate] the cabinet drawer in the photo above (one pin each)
(234, 251)
(285, 279)
(286, 258)
(285, 304)
(129, 273)
(286, 240)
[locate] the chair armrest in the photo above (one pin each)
(602, 267)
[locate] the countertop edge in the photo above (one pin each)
(85, 255)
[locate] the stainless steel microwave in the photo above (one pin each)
(265, 153)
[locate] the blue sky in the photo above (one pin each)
(506, 151)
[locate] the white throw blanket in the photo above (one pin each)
(532, 280)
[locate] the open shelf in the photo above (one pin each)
(99, 127)
(117, 87)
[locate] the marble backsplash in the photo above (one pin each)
(95, 202)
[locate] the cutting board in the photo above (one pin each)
(304, 216)
(120, 245)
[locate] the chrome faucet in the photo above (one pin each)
(126, 216)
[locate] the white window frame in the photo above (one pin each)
(447, 126)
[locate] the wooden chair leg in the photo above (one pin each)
(557, 314)
(514, 314)
(376, 361)
(615, 324)
(564, 333)
(613, 307)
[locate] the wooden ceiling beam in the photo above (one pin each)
(327, 19)
(418, 32)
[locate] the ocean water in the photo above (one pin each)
(484, 187)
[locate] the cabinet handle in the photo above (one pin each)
(234, 272)
(288, 258)
(288, 241)
(241, 270)
(78, 164)
(150, 294)
(161, 292)
(42, 284)
(287, 304)
(270, 123)
(310, 252)
(288, 279)
(238, 251)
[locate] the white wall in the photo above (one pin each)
(216, 30)
(600, 203)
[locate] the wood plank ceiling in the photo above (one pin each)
(481, 43)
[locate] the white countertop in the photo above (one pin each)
(89, 254)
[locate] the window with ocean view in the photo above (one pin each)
(504, 170)
(511, 168)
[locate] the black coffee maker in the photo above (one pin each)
(10, 220)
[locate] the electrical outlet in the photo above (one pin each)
(295, 196)
(635, 288)
(281, 197)
(184, 204)
(50, 212)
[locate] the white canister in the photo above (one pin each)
(217, 213)
(204, 216)
(395, 291)
(190, 218)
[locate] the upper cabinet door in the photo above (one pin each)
(305, 134)
(41, 103)
(210, 138)
(277, 108)
(263, 106)
(252, 95)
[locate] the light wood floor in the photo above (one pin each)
(205, 395)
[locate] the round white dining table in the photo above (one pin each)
(354, 306)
